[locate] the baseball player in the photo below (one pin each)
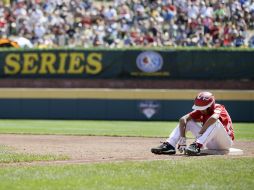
(210, 123)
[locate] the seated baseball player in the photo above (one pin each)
(210, 123)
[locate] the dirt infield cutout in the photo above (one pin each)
(91, 149)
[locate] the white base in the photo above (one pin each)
(231, 151)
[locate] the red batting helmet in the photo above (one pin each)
(203, 101)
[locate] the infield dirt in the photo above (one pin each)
(92, 149)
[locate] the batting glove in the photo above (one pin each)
(182, 144)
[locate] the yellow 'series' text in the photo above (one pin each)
(53, 63)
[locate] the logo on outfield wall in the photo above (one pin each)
(149, 108)
(149, 62)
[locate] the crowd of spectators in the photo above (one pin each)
(123, 23)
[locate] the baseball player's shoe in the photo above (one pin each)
(193, 149)
(165, 148)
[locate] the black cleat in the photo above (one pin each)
(193, 150)
(165, 148)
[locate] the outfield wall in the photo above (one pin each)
(212, 64)
(115, 104)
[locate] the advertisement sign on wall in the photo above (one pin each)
(122, 64)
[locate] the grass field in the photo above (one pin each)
(186, 173)
(8, 155)
(244, 131)
(182, 174)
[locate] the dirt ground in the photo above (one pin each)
(91, 149)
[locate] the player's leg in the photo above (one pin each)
(193, 127)
(169, 147)
(216, 137)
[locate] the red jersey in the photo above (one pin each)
(223, 117)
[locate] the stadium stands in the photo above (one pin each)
(152, 23)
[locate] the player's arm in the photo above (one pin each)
(182, 124)
(209, 122)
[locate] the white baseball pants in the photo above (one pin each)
(215, 137)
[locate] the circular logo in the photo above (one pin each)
(149, 62)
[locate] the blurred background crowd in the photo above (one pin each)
(125, 23)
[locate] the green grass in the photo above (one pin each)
(8, 155)
(187, 173)
(243, 131)
(67, 127)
